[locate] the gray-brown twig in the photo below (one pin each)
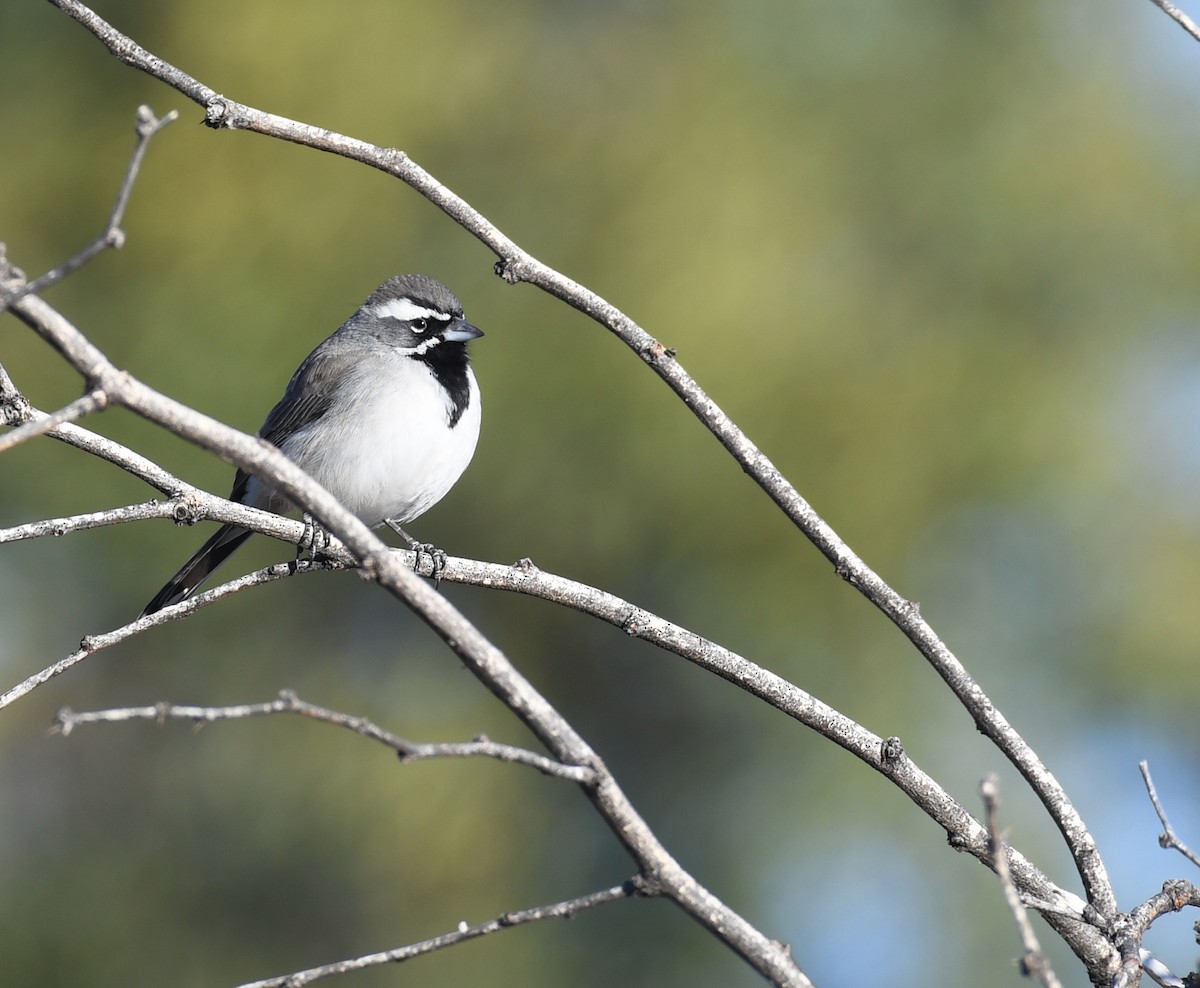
(1168, 838)
(558, 910)
(1178, 16)
(289, 703)
(1033, 962)
(112, 236)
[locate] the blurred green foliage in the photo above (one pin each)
(937, 259)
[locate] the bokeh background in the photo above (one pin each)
(938, 258)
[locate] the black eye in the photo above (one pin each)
(419, 325)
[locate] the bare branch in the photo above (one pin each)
(1175, 895)
(186, 506)
(15, 409)
(289, 703)
(559, 910)
(483, 658)
(93, 401)
(517, 265)
(186, 509)
(1168, 838)
(111, 236)
(1178, 16)
(964, 832)
(1033, 963)
(524, 577)
(57, 527)
(96, 643)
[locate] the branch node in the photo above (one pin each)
(64, 721)
(526, 566)
(891, 752)
(655, 351)
(148, 124)
(9, 271)
(216, 113)
(511, 270)
(958, 841)
(1179, 891)
(1033, 965)
(15, 408)
(1168, 838)
(630, 624)
(186, 510)
(1093, 917)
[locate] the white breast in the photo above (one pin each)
(389, 452)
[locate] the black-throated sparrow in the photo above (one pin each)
(384, 415)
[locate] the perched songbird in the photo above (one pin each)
(384, 415)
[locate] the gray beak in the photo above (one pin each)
(460, 331)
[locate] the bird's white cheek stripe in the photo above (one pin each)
(424, 346)
(405, 309)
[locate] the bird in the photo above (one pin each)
(384, 414)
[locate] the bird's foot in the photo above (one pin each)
(437, 560)
(314, 540)
(437, 557)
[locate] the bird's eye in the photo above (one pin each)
(419, 325)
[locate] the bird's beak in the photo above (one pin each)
(460, 331)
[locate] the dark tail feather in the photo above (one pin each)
(196, 570)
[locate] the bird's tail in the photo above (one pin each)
(196, 570)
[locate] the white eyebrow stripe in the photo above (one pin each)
(406, 310)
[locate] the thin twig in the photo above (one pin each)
(112, 235)
(16, 409)
(58, 527)
(517, 265)
(1033, 962)
(96, 643)
(1178, 16)
(93, 401)
(1168, 838)
(185, 509)
(289, 703)
(558, 910)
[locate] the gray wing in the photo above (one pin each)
(308, 397)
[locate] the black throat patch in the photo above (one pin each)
(448, 361)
